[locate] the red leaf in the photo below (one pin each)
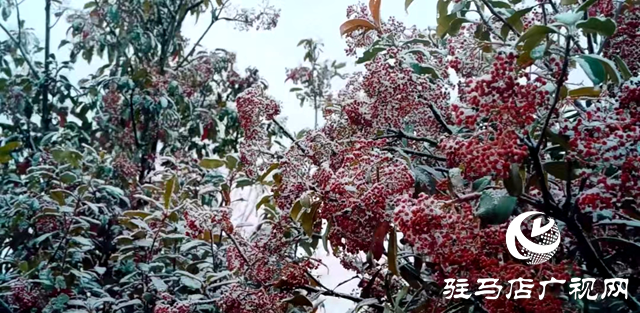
(377, 246)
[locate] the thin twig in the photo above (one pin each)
(235, 243)
(414, 152)
(22, 51)
(400, 134)
(500, 17)
(559, 84)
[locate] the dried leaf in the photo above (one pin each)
(374, 7)
(393, 252)
(355, 24)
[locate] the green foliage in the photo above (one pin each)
(98, 206)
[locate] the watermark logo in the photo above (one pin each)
(547, 238)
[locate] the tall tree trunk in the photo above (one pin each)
(46, 112)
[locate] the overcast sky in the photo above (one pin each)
(271, 52)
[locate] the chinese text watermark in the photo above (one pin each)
(521, 288)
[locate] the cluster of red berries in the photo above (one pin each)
(254, 108)
(624, 43)
(207, 220)
(26, 296)
(242, 299)
(178, 307)
(359, 192)
(47, 224)
(125, 166)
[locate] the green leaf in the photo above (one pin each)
(244, 182)
(232, 161)
(619, 222)
(210, 163)
(82, 241)
(68, 178)
(515, 182)
(295, 89)
(586, 5)
(569, 18)
(168, 191)
(627, 245)
(515, 20)
(299, 300)
(89, 5)
(189, 280)
(271, 168)
(308, 219)
(500, 4)
(392, 255)
(9, 147)
(454, 26)
(537, 53)
(159, 283)
(425, 70)
(559, 170)
(325, 236)
(407, 3)
(624, 70)
(568, 2)
(534, 35)
(598, 69)
(266, 199)
(495, 207)
(481, 183)
(370, 54)
(603, 26)
(59, 197)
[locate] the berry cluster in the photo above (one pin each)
(624, 43)
(254, 108)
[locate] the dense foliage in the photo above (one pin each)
(117, 191)
(449, 132)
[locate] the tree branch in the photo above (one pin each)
(46, 118)
(400, 134)
(559, 83)
(331, 293)
(500, 17)
(414, 152)
(193, 49)
(22, 51)
(290, 136)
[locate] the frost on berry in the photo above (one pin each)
(605, 141)
(255, 108)
(624, 43)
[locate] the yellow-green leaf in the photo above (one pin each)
(295, 210)
(585, 92)
(624, 70)
(9, 147)
(407, 3)
(308, 219)
(210, 163)
(140, 214)
(168, 191)
(299, 300)
(59, 197)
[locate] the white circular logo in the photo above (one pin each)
(547, 239)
